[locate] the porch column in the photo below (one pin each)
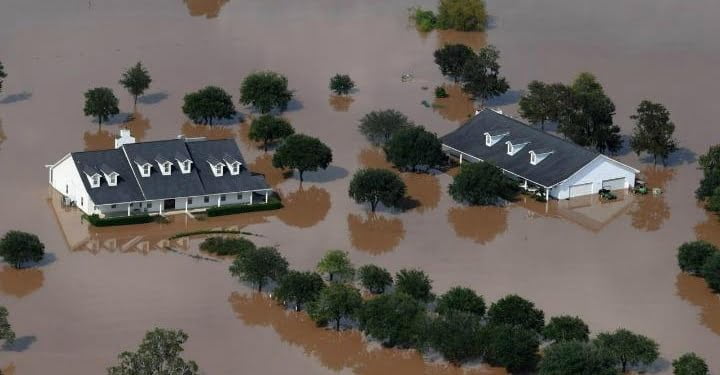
(251, 196)
(461, 157)
(525, 185)
(162, 203)
(266, 196)
(129, 209)
(547, 194)
(186, 205)
(218, 201)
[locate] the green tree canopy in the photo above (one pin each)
(136, 80)
(337, 265)
(653, 131)
(374, 185)
(711, 271)
(18, 247)
(516, 311)
(451, 59)
(461, 299)
(710, 165)
(334, 303)
(265, 91)
(693, 255)
(394, 319)
(543, 102)
(456, 335)
(6, 331)
(258, 265)
(379, 126)
(226, 245)
(482, 184)
(341, 84)
(374, 278)
(690, 364)
(481, 75)
(414, 283)
(3, 75)
(462, 15)
(299, 288)
(414, 147)
(268, 128)
(303, 153)
(207, 104)
(588, 116)
(566, 328)
(628, 348)
(575, 358)
(159, 353)
(512, 347)
(100, 102)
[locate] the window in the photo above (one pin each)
(166, 168)
(82, 201)
(113, 206)
(145, 170)
(206, 199)
(533, 158)
(112, 180)
(488, 140)
(66, 189)
(510, 148)
(218, 170)
(149, 204)
(239, 196)
(189, 201)
(223, 198)
(131, 204)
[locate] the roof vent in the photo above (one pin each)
(536, 156)
(124, 138)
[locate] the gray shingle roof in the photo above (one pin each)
(227, 182)
(566, 159)
(127, 189)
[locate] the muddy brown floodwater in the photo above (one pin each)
(100, 289)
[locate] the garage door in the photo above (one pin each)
(580, 190)
(614, 184)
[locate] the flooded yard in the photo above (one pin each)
(612, 264)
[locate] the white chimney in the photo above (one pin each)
(124, 138)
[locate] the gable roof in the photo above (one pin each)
(126, 190)
(566, 157)
(227, 182)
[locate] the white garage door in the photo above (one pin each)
(580, 190)
(614, 184)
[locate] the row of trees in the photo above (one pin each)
(479, 72)
(701, 258)
(463, 15)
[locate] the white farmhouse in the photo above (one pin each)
(536, 158)
(157, 177)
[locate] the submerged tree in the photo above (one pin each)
(710, 165)
(711, 271)
(394, 319)
(460, 299)
(481, 75)
(462, 15)
(415, 147)
(257, 265)
(100, 102)
(299, 288)
(374, 278)
(159, 353)
(482, 184)
(337, 265)
(415, 283)
(456, 335)
(268, 128)
(451, 59)
(334, 303)
(577, 358)
(516, 311)
(566, 328)
(303, 153)
(207, 104)
(693, 255)
(6, 331)
(18, 247)
(136, 80)
(379, 126)
(3, 75)
(265, 91)
(628, 348)
(653, 131)
(511, 346)
(341, 84)
(690, 364)
(543, 102)
(374, 185)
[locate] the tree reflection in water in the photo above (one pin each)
(694, 290)
(305, 207)
(478, 223)
(207, 8)
(340, 103)
(651, 211)
(20, 282)
(376, 234)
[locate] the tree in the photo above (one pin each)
(413, 147)
(379, 126)
(512, 347)
(207, 104)
(303, 153)
(335, 302)
(463, 15)
(481, 75)
(628, 348)
(336, 264)
(18, 247)
(268, 128)
(482, 183)
(690, 364)
(226, 245)
(299, 288)
(456, 335)
(341, 84)
(710, 164)
(374, 278)
(461, 299)
(394, 319)
(711, 271)
(543, 102)
(588, 116)
(566, 328)
(100, 102)
(159, 353)
(451, 59)
(136, 80)
(575, 358)
(257, 265)
(6, 331)
(374, 185)
(516, 311)
(653, 131)
(414, 283)
(693, 255)
(3, 75)
(265, 91)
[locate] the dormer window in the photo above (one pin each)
(144, 169)
(185, 165)
(515, 145)
(94, 180)
(110, 175)
(165, 168)
(217, 169)
(232, 163)
(536, 156)
(491, 138)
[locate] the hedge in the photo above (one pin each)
(202, 232)
(240, 208)
(120, 220)
(226, 246)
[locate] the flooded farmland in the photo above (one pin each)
(100, 289)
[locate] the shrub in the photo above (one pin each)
(463, 15)
(272, 204)
(693, 255)
(482, 184)
(575, 357)
(341, 84)
(120, 220)
(394, 319)
(457, 336)
(711, 272)
(425, 20)
(516, 311)
(440, 92)
(462, 300)
(690, 364)
(414, 283)
(374, 278)
(226, 245)
(512, 347)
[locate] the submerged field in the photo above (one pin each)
(611, 264)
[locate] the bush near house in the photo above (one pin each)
(226, 245)
(272, 204)
(113, 221)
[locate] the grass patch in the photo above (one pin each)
(224, 246)
(121, 220)
(272, 204)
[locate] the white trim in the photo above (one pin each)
(620, 163)
(189, 196)
(133, 172)
(596, 158)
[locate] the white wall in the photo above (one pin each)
(197, 202)
(65, 178)
(600, 169)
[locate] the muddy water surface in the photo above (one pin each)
(613, 264)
